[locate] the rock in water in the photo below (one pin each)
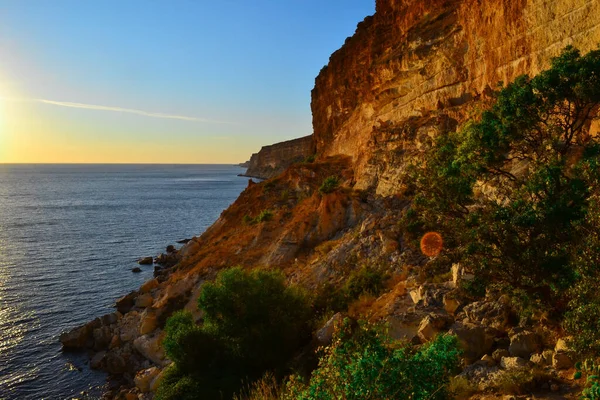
(136, 270)
(146, 261)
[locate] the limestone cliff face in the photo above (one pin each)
(272, 160)
(417, 67)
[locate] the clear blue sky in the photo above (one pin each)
(249, 64)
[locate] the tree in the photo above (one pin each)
(511, 192)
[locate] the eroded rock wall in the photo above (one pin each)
(417, 67)
(272, 160)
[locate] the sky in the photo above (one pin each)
(161, 81)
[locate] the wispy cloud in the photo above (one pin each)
(119, 109)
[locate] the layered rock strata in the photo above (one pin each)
(272, 160)
(417, 67)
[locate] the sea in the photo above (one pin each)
(69, 237)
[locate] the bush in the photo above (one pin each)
(365, 364)
(329, 185)
(253, 323)
(310, 159)
(261, 319)
(264, 216)
(365, 280)
(591, 370)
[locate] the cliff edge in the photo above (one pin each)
(417, 67)
(272, 160)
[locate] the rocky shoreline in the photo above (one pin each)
(123, 343)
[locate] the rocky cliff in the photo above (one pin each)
(417, 67)
(272, 160)
(414, 70)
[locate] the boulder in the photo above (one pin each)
(136, 270)
(78, 338)
(143, 379)
(562, 345)
(125, 303)
(325, 334)
(171, 249)
(490, 313)
(129, 327)
(149, 323)
(149, 285)
(431, 326)
(96, 361)
(149, 347)
(480, 374)
(473, 339)
(156, 381)
(499, 353)
(146, 261)
(523, 344)
(488, 360)
(109, 319)
(144, 300)
(115, 364)
(513, 363)
(102, 337)
(450, 304)
(562, 360)
(114, 342)
(538, 359)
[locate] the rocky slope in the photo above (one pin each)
(272, 160)
(414, 70)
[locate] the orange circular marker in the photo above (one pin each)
(432, 244)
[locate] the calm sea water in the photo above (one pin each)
(69, 236)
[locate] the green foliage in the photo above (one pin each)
(591, 370)
(364, 280)
(310, 159)
(365, 364)
(513, 194)
(264, 216)
(261, 319)
(329, 185)
(177, 386)
(253, 323)
(583, 317)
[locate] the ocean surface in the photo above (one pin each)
(69, 236)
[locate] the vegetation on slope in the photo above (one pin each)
(516, 194)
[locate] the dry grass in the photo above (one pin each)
(267, 388)
(461, 388)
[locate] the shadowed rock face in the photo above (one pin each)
(417, 67)
(272, 160)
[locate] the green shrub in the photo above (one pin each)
(365, 364)
(264, 216)
(261, 319)
(253, 322)
(591, 370)
(329, 185)
(175, 385)
(310, 159)
(365, 280)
